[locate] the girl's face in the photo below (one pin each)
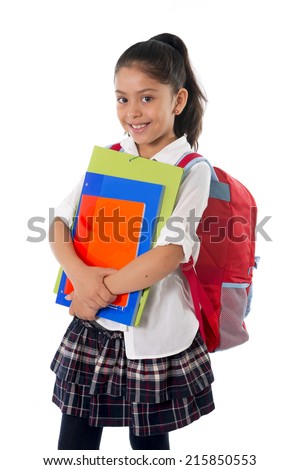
(146, 109)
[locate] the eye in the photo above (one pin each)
(122, 100)
(146, 99)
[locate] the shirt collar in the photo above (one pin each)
(169, 154)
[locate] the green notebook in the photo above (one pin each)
(111, 162)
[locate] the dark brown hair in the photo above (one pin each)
(165, 58)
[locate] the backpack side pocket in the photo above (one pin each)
(234, 302)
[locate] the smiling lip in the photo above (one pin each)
(139, 127)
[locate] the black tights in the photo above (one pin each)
(76, 434)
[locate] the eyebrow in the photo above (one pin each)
(139, 91)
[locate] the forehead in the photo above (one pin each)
(133, 79)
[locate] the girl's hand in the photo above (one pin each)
(90, 289)
(79, 309)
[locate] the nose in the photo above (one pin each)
(134, 111)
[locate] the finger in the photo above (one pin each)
(106, 293)
(106, 299)
(70, 296)
(107, 271)
(99, 301)
(95, 304)
(90, 303)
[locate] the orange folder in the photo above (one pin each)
(107, 234)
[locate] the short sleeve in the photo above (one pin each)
(180, 228)
(67, 208)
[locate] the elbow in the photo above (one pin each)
(178, 255)
(171, 257)
(58, 230)
(51, 232)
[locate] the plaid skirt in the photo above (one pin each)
(95, 380)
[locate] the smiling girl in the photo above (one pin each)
(155, 378)
(146, 109)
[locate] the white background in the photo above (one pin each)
(57, 102)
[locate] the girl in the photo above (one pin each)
(155, 378)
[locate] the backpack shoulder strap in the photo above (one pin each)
(188, 159)
(202, 304)
(116, 147)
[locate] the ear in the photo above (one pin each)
(180, 100)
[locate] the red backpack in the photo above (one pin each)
(221, 279)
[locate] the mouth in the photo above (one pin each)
(139, 127)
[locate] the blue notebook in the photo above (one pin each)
(122, 197)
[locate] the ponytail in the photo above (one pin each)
(165, 58)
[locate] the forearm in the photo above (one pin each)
(141, 273)
(90, 293)
(63, 249)
(145, 270)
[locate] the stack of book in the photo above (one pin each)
(124, 203)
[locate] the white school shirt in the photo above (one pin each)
(168, 325)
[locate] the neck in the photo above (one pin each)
(149, 150)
